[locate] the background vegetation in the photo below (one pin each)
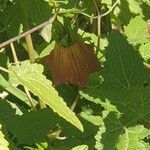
(111, 110)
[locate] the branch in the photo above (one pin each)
(50, 21)
(114, 5)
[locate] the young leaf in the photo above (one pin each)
(30, 75)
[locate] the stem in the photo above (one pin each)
(14, 54)
(114, 5)
(98, 34)
(28, 38)
(98, 26)
(17, 64)
(29, 98)
(29, 42)
(75, 102)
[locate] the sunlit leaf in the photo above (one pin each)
(137, 31)
(30, 75)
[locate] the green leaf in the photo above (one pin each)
(9, 18)
(108, 2)
(96, 120)
(137, 31)
(33, 126)
(30, 75)
(3, 142)
(123, 68)
(113, 129)
(37, 11)
(143, 146)
(46, 51)
(98, 137)
(120, 136)
(123, 91)
(76, 138)
(135, 7)
(6, 112)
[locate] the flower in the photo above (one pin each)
(72, 64)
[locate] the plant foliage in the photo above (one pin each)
(111, 111)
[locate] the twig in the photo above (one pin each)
(50, 21)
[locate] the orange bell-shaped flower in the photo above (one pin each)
(72, 64)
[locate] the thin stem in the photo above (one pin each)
(114, 5)
(29, 98)
(17, 64)
(14, 55)
(4, 70)
(98, 34)
(50, 21)
(98, 26)
(75, 102)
